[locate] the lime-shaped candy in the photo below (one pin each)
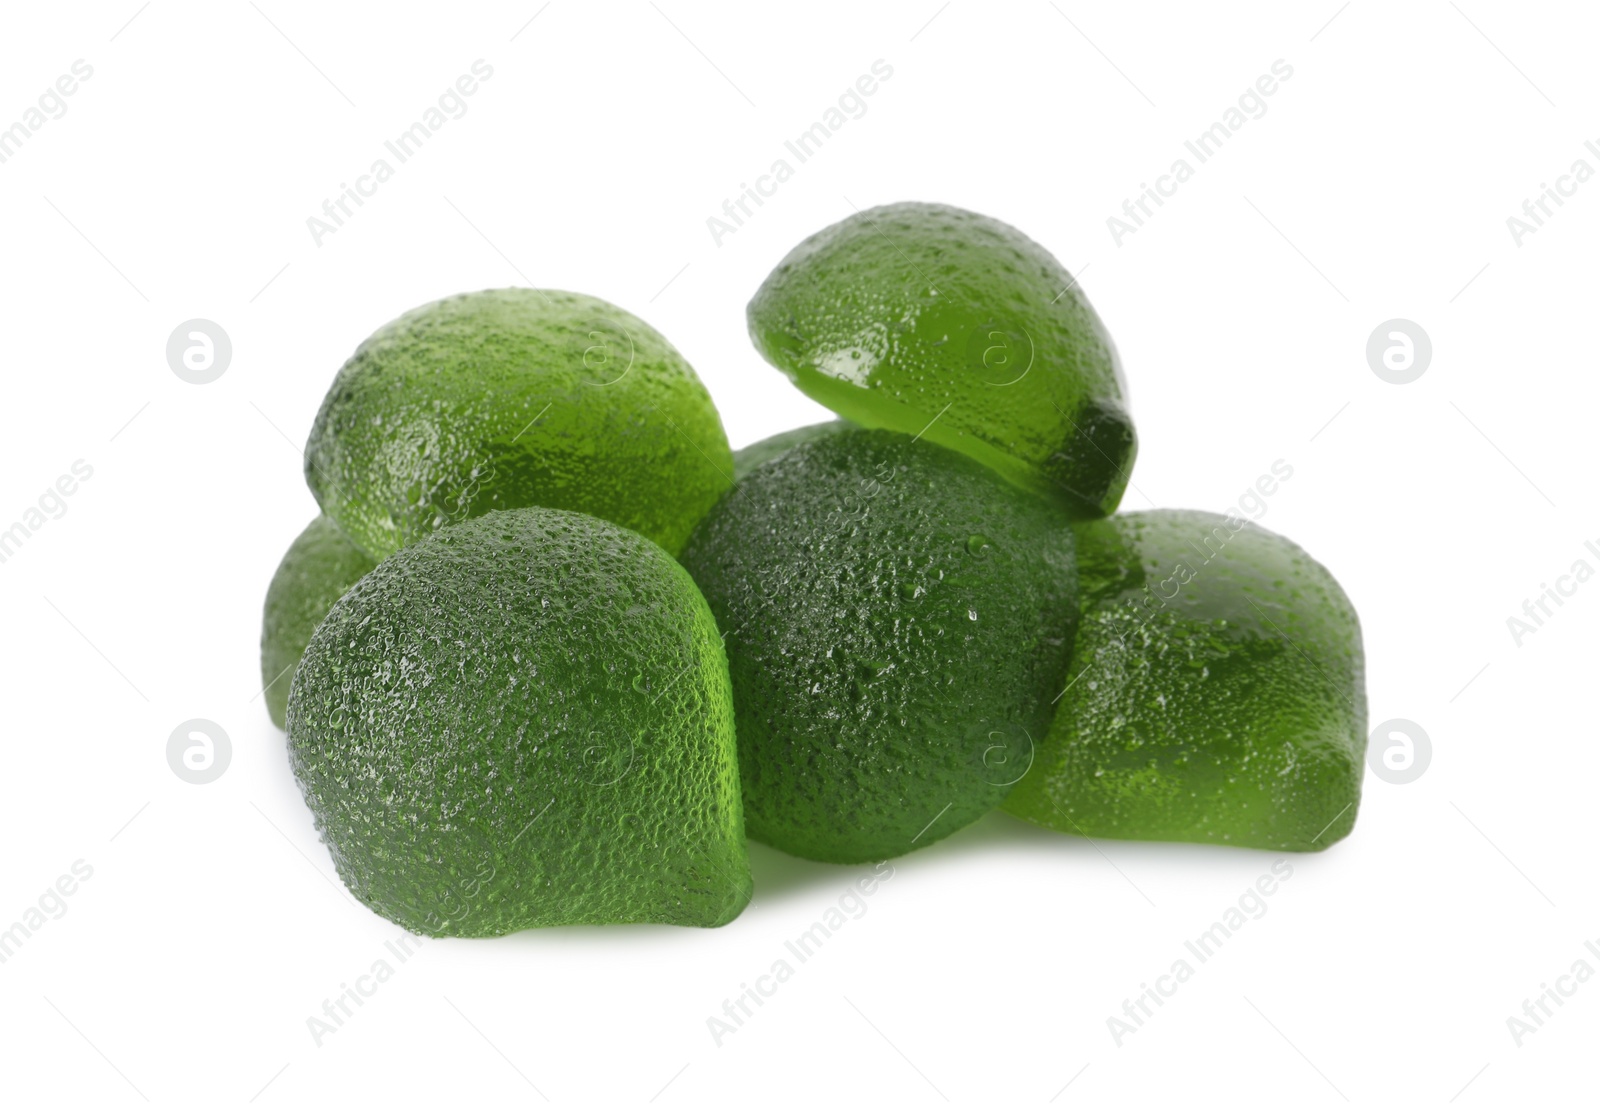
(320, 566)
(1216, 692)
(941, 322)
(510, 398)
(524, 720)
(897, 621)
(753, 456)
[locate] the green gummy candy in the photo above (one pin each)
(524, 720)
(897, 621)
(753, 456)
(509, 398)
(954, 326)
(1216, 691)
(320, 566)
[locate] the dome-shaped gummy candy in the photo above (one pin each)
(897, 621)
(524, 720)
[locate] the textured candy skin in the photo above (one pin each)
(524, 720)
(509, 398)
(929, 319)
(320, 565)
(1217, 691)
(751, 457)
(897, 622)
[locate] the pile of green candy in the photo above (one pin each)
(552, 651)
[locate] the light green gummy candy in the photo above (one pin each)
(1216, 692)
(509, 398)
(320, 566)
(960, 329)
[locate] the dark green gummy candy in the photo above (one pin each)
(751, 457)
(524, 720)
(897, 620)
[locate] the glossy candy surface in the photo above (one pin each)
(516, 397)
(1216, 692)
(932, 320)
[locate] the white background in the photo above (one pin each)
(1376, 186)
